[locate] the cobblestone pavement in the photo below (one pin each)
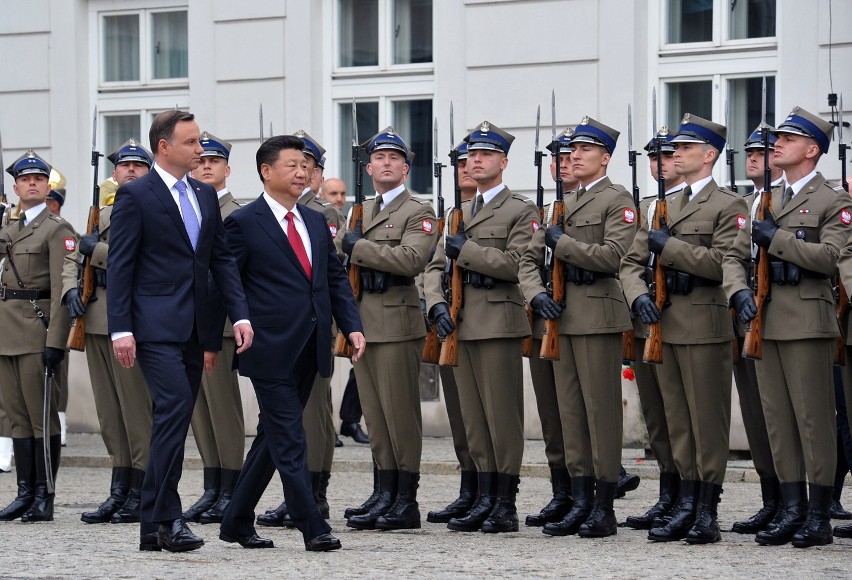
(69, 548)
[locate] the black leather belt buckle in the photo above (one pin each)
(3, 292)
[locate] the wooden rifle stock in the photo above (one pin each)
(527, 343)
(550, 339)
(753, 343)
(342, 347)
(77, 335)
(841, 311)
(450, 347)
(431, 348)
(654, 342)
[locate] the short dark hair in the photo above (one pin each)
(269, 150)
(163, 126)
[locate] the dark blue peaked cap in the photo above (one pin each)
(214, 146)
(490, 137)
(131, 150)
(755, 140)
(28, 163)
(388, 138)
(591, 131)
(801, 122)
(694, 129)
(312, 147)
(666, 137)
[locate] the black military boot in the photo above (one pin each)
(371, 501)
(601, 522)
(273, 518)
(24, 449)
(583, 491)
(322, 494)
(770, 490)
(461, 505)
(404, 514)
(116, 499)
(41, 509)
(227, 483)
(554, 511)
(816, 531)
(682, 516)
(843, 531)
(669, 492)
(212, 481)
(129, 512)
(504, 515)
(705, 530)
(388, 479)
(481, 508)
(790, 517)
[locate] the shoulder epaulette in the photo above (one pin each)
(522, 198)
(56, 218)
(728, 191)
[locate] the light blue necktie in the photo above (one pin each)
(190, 220)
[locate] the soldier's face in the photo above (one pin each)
(465, 180)
(486, 166)
(588, 162)
(387, 168)
(791, 150)
(287, 176)
(690, 158)
(316, 179)
(334, 192)
(754, 164)
(568, 179)
(213, 170)
(667, 162)
(184, 150)
(128, 171)
(31, 189)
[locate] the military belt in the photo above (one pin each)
(6, 294)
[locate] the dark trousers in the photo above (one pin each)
(173, 373)
(844, 437)
(279, 444)
(350, 406)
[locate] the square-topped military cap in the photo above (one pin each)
(694, 129)
(591, 131)
(489, 137)
(131, 150)
(388, 138)
(755, 140)
(28, 163)
(801, 122)
(215, 147)
(312, 148)
(564, 140)
(663, 141)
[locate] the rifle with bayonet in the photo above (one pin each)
(260, 119)
(841, 298)
(729, 161)
(5, 206)
(753, 342)
(654, 340)
(87, 281)
(554, 266)
(342, 347)
(628, 337)
(431, 348)
(455, 290)
(526, 343)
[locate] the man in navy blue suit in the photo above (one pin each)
(167, 234)
(294, 284)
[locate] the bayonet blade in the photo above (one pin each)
(94, 130)
(452, 129)
(840, 123)
(553, 115)
(260, 115)
(435, 141)
(654, 110)
(629, 127)
(355, 141)
(727, 123)
(270, 129)
(763, 102)
(537, 125)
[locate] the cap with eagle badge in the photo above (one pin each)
(27, 164)
(662, 141)
(312, 148)
(564, 140)
(215, 147)
(694, 129)
(801, 122)
(591, 131)
(387, 139)
(462, 151)
(131, 150)
(489, 137)
(755, 140)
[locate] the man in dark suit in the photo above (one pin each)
(295, 284)
(167, 234)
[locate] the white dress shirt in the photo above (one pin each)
(280, 212)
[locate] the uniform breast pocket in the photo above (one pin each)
(698, 232)
(29, 258)
(586, 228)
(805, 226)
(389, 236)
(492, 236)
(818, 307)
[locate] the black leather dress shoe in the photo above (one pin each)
(337, 441)
(252, 541)
(149, 542)
(322, 543)
(354, 430)
(177, 537)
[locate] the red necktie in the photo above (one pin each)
(297, 244)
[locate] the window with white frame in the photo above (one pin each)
(117, 126)
(717, 22)
(143, 47)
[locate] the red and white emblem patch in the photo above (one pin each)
(846, 217)
(427, 226)
(741, 220)
(70, 244)
(629, 216)
(535, 226)
(333, 229)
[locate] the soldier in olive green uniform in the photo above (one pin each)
(744, 370)
(803, 235)
(121, 396)
(596, 231)
(35, 329)
(468, 486)
(317, 418)
(498, 227)
(217, 419)
(650, 397)
(695, 375)
(391, 247)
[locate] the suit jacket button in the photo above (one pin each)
(313, 318)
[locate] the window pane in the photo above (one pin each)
(412, 31)
(359, 33)
(752, 19)
(413, 121)
(746, 104)
(117, 130)
(694, 97)
(169, 55)
(121, 48)
(690, 21)
(368, 125)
